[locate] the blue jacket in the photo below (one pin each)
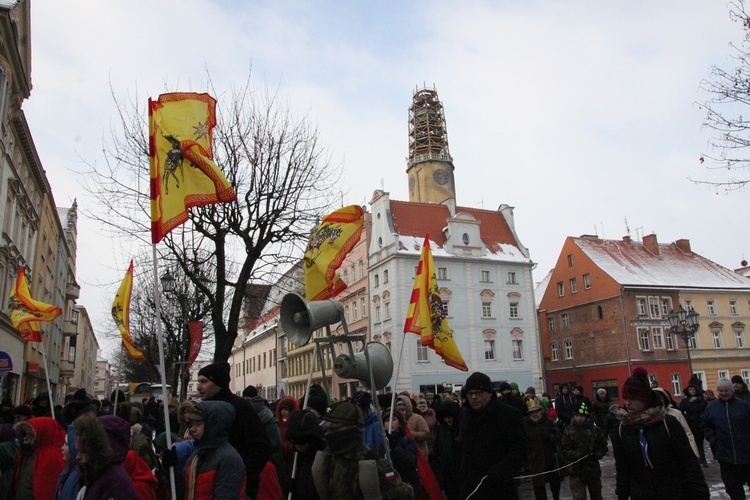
(728, 423)
(373, 436)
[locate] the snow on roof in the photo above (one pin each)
(633, 264)
(541, 287)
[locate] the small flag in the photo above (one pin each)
(182, 172)
(26, 313)
(426, 316)
(328, 246)
(121, 314)
(196, 339)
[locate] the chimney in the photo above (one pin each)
(683, 245)
(649, 241)
(626, 240)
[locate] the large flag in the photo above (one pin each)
(426, 316)
(26, 313)
(329, 244)
(182, 172)
(121, 314)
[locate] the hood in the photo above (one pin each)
(407, 404)
(217, 417)
(48, 432)
(118, 433)
(138, 469)
(448, 408)
(286, 403)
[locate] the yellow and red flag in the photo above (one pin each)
(182, 172)
(329, 244)
(121, 314)
(26, 313)
(426, 316)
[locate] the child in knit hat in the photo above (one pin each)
(584, 444)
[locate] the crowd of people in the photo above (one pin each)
(479, 444)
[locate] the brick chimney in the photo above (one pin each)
(626, 240)
(683, 245)
(649, 241)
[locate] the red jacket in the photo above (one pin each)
(143, 479)
(47, 456)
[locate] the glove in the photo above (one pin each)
(169, 457)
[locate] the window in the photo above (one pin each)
(564, 320)
(573, 285)
(676, 385)
(691, 342)
(745, 374)
(377, 314)
(739, 336)
(486, 309)
(361, 269)
(514, 310)
(346, 313)
(442, 273)
(688, 305)
(387, 311)
(74, 316)
(551, 323)
(568, 349)
(362, 310)
(447, 308)
(640, 304)
(666, 306)
(555, 353)
(716, 335)
(711, 305)
(654, 307)
(517, 349)
(599, 312)
(512, 278)
(570, 260)
(353, 272)
(484, 276)
(560, 289)
(377, 280)
(644, 339)
(734, 310)
(345, 276)
(587, 281)
(489, 350)
(385, 276)
(355, 314)
(423, 352)
(670, 341)
(723, 373)
(657, 334)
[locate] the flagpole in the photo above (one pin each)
(46, 377)
(119, 374)
(162, 371)
(395, 380)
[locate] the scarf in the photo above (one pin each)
(646, 418)
(192, 478)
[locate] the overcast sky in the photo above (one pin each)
(579, 114)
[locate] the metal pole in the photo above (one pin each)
(184, 375)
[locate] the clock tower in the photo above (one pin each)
(429, 165)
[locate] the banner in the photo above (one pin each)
(26, 313)
(329, 245)
(196, 338)
(180, 151)
(121, 314)
(426, 316)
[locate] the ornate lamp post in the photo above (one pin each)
(684, 324)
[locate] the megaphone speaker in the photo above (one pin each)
(300, 319)
(381, 364)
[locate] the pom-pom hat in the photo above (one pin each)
(638, 387)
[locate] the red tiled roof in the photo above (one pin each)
(418, 219)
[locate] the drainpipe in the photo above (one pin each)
(625, 330)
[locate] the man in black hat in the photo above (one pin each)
(247, 434)
(492, 442)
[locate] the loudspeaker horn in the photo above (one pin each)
(381, 364)
(300, 319)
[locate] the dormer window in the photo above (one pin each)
(466, 238)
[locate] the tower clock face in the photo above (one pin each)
(441, 176)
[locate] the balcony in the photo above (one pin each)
(66, 368)
(70, 329)
(73, 291)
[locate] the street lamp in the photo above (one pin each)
(684, 324)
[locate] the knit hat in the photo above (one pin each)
(513, 386)
(478, 381)
(531, 390)
(580, 408)
(286, 404)
(250, 392)
(304, 427)
(505, 386)
(737, 379)
(345, 413)
(726, 383)
(601, 391)
(637, 386)
(218, 373)
(708, 391)
(696, 383)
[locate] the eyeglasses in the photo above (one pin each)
(474, 394)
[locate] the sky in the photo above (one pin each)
(580, 114)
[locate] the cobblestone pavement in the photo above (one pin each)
(712, 474)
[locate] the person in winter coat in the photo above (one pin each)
(692, 407)
(306, 434)
(510, 397)
(564, 404)
(284, 410)
(403, 450)
(447, 451)
(584, 444)
(39, 460)
(492, 442)
(429, 416)
(420, 431)
(67, 483)
(542, 439)
(372, 432)
(102, 444)
(726, 424)
(653, 458)
(671, 407)
(740, 388)
(600, 410)
(214, 469)
(144, 481)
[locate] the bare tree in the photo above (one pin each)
(283, 179)
(728, 92)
